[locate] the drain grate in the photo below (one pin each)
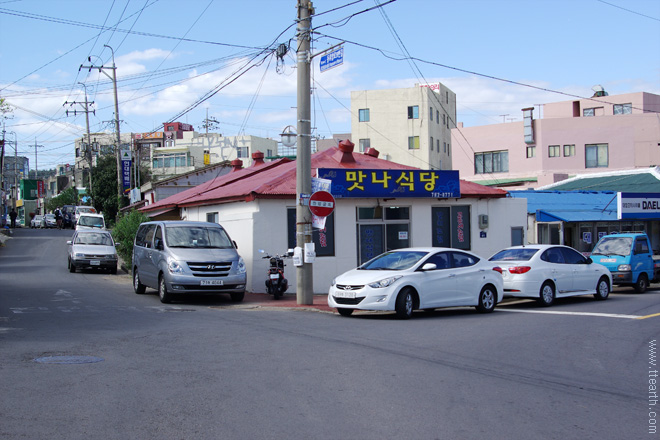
(69, 360)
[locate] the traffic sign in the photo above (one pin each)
(321, 203)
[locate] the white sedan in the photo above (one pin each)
(546, 272)
(418, 278)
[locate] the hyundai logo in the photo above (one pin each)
(210, 267)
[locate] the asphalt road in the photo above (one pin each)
(206, 369)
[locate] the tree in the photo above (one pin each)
(124, 234)
(104, 183)
(5, 108)
(67, 197)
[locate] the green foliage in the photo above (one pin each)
(104, 183)
(67, 197)
(124, 233)
(5, 108)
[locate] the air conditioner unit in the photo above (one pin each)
(483, 221)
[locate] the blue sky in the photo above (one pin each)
(170, 54)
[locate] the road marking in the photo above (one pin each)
(649, 316)
(602, 315)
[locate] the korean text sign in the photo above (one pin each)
(392, 183)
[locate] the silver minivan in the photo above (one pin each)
(186, 257)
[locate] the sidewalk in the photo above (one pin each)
(288, 301)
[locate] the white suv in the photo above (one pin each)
(90, 221)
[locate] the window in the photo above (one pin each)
(413, 112)
(364, 114)
(443, 119)
(171, 160)
(241, 152)
(269, 153)
(381, 229)
(569, 150)
(437, 116)
(531, 151)
(431, 113)
(596, 156)
(589, 112)
(324, 239)
(491, 162)
(553, 151)
(413, 142)
(431, 144)
(622, 109)
(437, 144)
(365, 144)
(212, 217)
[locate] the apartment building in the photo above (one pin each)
(410, 126)
(601, 133)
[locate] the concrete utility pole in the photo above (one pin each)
(88, 150)
(114, 84)
(36, 164)
(304, 273)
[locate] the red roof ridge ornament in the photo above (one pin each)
(237, 164)
(345, 153)
(257, 158)
(372, 152)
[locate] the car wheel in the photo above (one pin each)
(487, 299)
(642, 283)
(547, 294)
(602, 289)
(138, 287)
(404, 304)
(345, 312)
(237, 297)
(72, 268)
(165, 296)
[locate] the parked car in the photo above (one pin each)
(82, 210)
(403, 280)
(546, 272)
(629, 257)
(49, 221)
(90, 221)
(36, 221)
(186, 257)
(92, 249)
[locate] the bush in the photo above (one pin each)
(124, 234)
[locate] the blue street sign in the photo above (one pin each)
(332, 59)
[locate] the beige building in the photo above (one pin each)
(409, 126)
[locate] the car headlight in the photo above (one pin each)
(624, 268)
(174, 266)
(384, 283)
(241, 265)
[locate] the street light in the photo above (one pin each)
(289, 136)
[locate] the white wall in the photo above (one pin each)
(263, 225)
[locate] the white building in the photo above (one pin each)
(409, 126)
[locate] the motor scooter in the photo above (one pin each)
(276, 284)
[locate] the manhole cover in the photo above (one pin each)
(69, 360)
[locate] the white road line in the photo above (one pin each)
(554, 312)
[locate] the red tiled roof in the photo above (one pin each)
(277, 179)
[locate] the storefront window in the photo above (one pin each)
(381, 229)
(450, 227)
(324, 239)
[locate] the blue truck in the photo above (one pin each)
(630, 258)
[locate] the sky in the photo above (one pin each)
(181, 60)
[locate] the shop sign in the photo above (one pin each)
(638, 205)
(392, 183)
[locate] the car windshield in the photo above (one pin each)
(86, 209)
(93, 222)
(197, 237)
(613, 246)
(395, 260)
(517, 254)
(94, 239)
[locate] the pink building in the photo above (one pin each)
(597, 134)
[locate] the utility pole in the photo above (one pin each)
(36, 164)
(114, 84)
(88, 150)
(304, 273)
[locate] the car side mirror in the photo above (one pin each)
(589, 260)
(429, 266)
(69, 242)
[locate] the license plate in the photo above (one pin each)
(95, 263)
(344, 294)
(211, 282)
(608, 260)
(274, 276)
